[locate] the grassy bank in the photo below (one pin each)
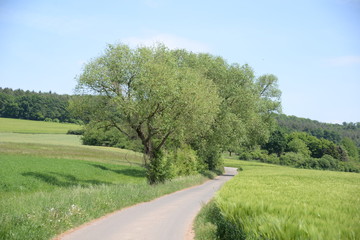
(44, 214)
(51, 183)
(274, 202)
(41, 197)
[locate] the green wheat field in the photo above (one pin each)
(274, 202)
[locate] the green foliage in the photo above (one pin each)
(34, 106)
(276, 143)
(75, 132)
(159, 169)
(185, 161)
(297, 145)
(246, 107)
(351, 148)
(275, 202)
(331, 132)
(98, 135)
(292, 159)
(303, 150)
(147, 93)
(209, 153)
(259, 155)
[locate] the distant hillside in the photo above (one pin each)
(332, 132)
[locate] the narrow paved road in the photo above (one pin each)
(166, 218)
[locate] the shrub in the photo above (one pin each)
(159, 169)
(76, 132)
(324, 163)
(210, 155)
(186, 162)
(292, 159)
(100, 136)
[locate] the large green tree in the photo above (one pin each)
(246, 107)
(147, 93)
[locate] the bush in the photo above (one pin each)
(75, 132)
(185, 162)
(292, 159)
(159, 169)
(323, 163)
(99, 136)
(210, 155)
(259, 155)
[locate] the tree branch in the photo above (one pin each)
(114, 124)
(163, 140)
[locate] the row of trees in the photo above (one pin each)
(303, 150)
(34, 106)
(332, 132)
(167, 99)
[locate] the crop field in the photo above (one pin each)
(274, 202)
(50, 183)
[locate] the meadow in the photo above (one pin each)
(28, 126)
(274, 202)
(50, 183)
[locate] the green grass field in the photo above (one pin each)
(50, 183)
(28, 126)
(274, 202)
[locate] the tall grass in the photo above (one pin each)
(274, 202)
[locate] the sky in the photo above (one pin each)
(312, 46)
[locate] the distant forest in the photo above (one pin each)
(329, 131)
(32, 105)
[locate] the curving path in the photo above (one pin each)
(167, 218)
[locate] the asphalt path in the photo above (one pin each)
(166, 218)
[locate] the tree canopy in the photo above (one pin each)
(34, 106)
(163, 96)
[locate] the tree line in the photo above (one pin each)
(303, 150)
(32, 105)
(329, 131)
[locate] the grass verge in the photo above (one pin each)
(43, 215)
(41, 197)
(274, 202)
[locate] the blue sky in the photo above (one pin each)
(312, 46)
